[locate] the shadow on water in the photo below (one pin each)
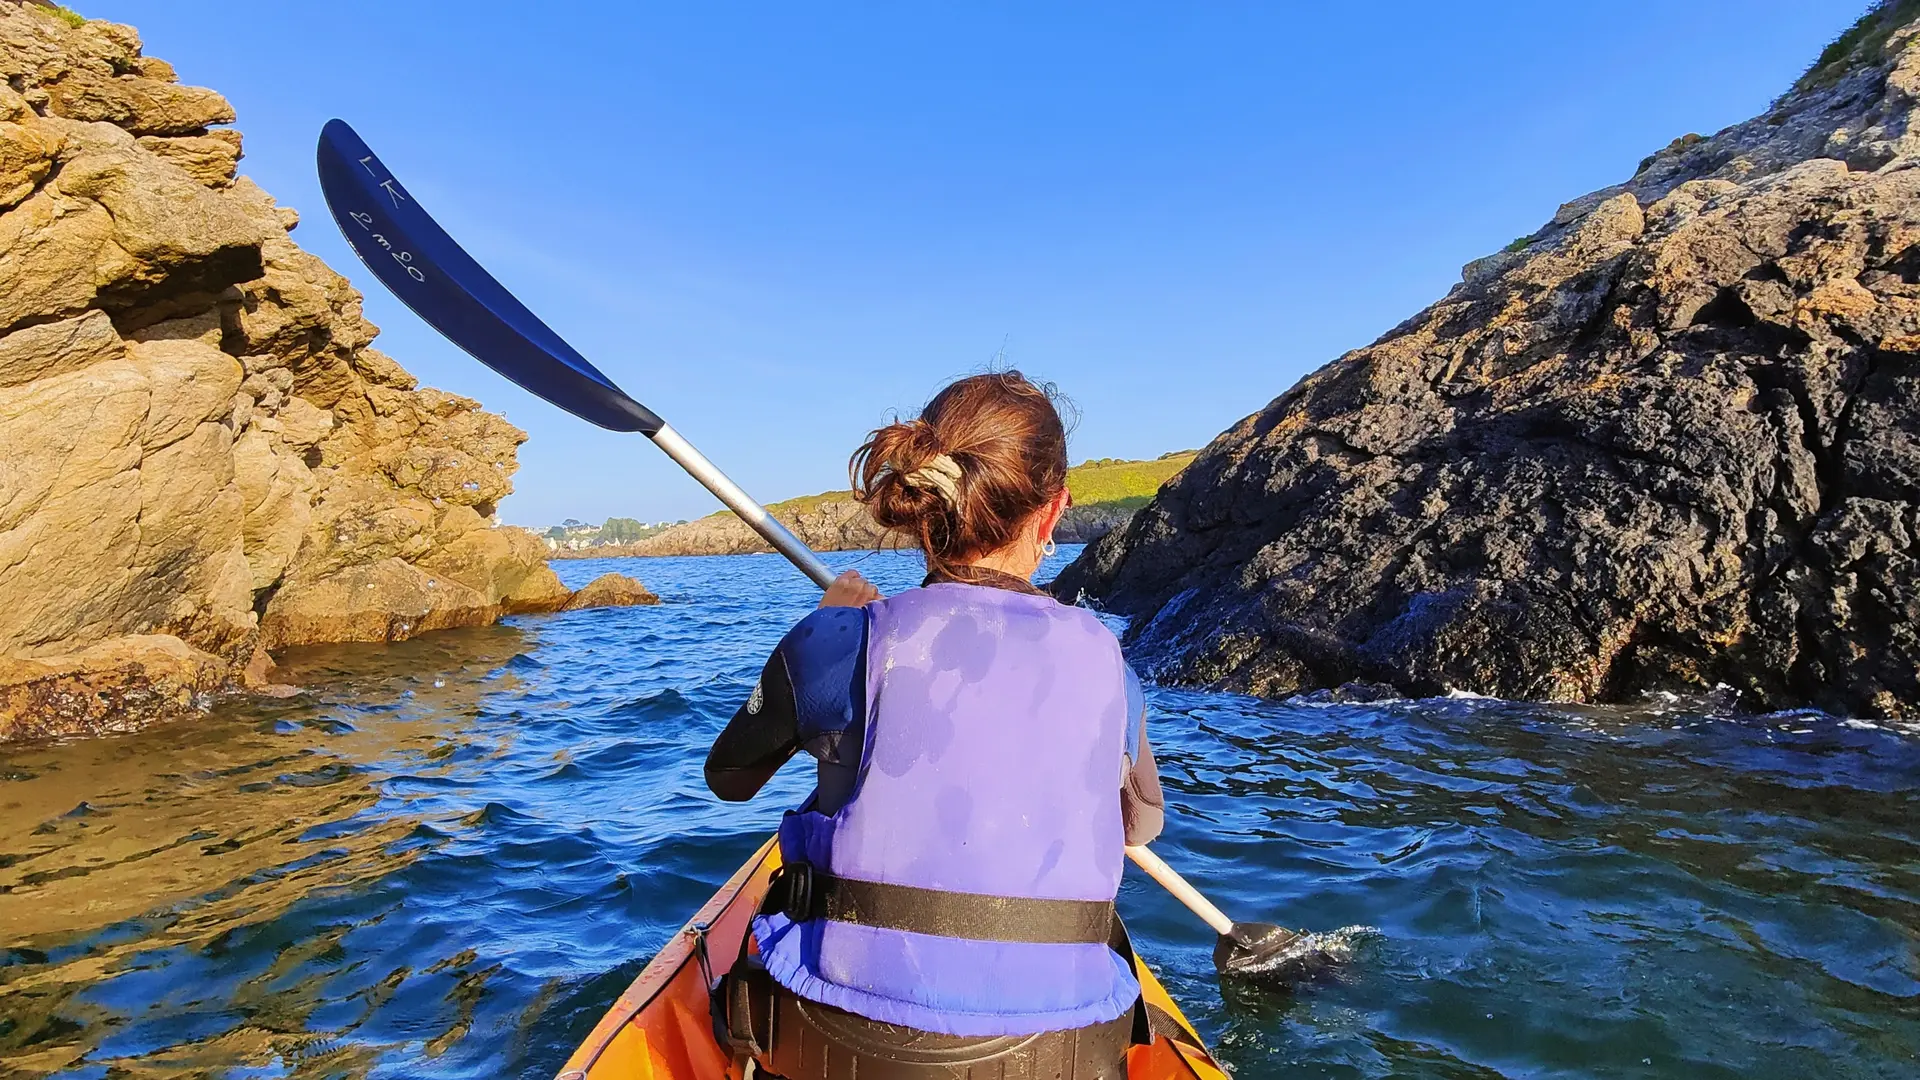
(451, 855)
(186, 896)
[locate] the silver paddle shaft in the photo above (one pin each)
(738, 501)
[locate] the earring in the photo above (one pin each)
(1047, 549)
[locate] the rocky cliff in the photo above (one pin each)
(201, 455)
(1670, 441)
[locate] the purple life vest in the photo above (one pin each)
(995, 734)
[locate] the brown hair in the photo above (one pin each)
(1005, 434)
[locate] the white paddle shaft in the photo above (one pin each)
(742, 504)
(1170, 879)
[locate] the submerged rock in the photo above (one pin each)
(200, 453)
(610, 590)
(1671, 442)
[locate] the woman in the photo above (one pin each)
(946, 901)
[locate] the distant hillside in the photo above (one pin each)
(1106, 492)
(1111, 482)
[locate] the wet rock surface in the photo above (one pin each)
(200, 452)
(1671, 443)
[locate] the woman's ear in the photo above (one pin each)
(1051, 514)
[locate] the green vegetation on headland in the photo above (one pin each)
(1865, 42)
(56, 11)
(797, 505)
(1129, 483)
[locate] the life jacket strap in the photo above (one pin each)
(803, 893)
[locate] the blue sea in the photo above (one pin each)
(447, 857)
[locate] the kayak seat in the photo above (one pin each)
(811, 1041)
(786, 1036)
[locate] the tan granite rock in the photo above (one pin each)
(193, 427)
(210, 158)
(55, 348)
(610, 590)
(115, 685)
(389, 600)
(27, 152)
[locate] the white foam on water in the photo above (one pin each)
(1313, 953)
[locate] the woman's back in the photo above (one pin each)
(996, 746)
(995, 743)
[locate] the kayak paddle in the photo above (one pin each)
(419, 263)
(1245, 950)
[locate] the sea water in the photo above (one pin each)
(449, 856)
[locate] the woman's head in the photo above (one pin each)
(984, 457)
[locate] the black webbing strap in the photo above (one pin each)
(1122, 944)
(802, 893)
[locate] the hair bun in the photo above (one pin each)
(960, 478)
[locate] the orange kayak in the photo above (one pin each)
(661, 1028)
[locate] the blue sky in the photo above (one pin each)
(777, 223)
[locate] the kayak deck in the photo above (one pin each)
(661, 1027)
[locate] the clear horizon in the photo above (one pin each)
(776, 227)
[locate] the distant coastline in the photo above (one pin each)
(1106, 491)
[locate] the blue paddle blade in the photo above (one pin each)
(415, 258)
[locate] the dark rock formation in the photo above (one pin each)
(1671, 442)
(1085, 524)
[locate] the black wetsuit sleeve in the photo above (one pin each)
(762, 736)
(808, 698)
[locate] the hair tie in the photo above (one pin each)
(941, 475)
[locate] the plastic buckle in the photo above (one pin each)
(792, 887)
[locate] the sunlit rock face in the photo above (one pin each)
(1671, 441)
(200, 453)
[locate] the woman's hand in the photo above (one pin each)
(850, 590)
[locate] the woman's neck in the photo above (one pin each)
(977, 574)
(1010, 561)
